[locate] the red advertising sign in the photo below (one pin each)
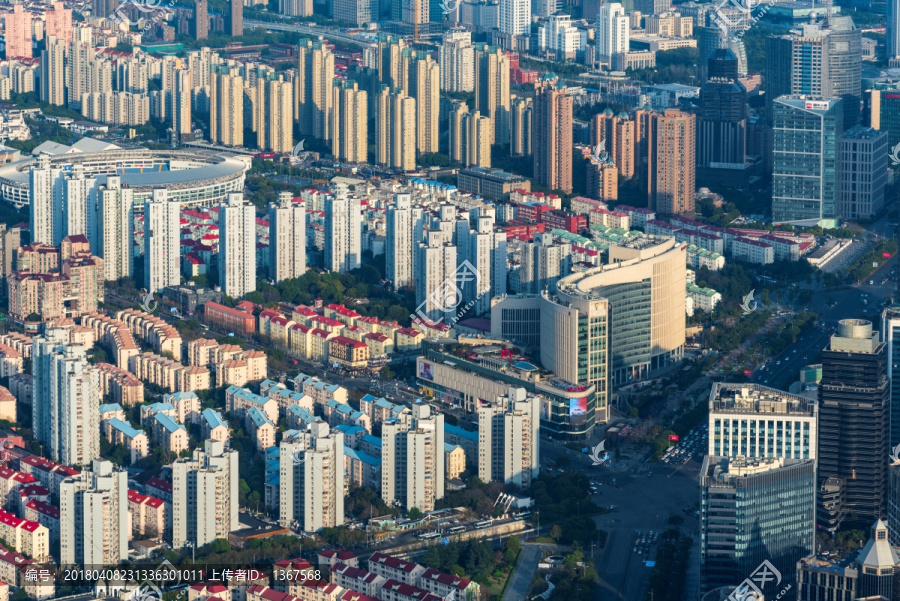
(673, 438)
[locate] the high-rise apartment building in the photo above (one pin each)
(751, 420)
(520, 126)
(671, 143)
(313, 89)
(435, 264)
(17, 30)
(287, 239)
(552, 132)
(237, 246)
(542, 263)
(515, 17)
(470, 138)
(412, 459)
(296, 8)
(178, 100)
(456, 57)
(205, 495)
(722, 126)
(45, 184)
(274, 113)
(350, 134)
(864, 172)
(806, 165)
(892, 33)
(95, 530)
(403, 230)
(853, 416)
(613, 30)
(615, 134)
(343, 232)
(53, 72)
(115, 226)
(492, 97)
(311, 478)
(741, 526)
(388, 61)
(201, 20)
(162, 241)
(65, 400)
(395, 130)
(508, 439)
(226, 106)
(236, 18)
(425, 87)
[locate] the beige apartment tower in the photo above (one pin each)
(350, 136)
(425, 87)
(396, 130)
(311, 478)
(553, 114)
(313, 94)
(520, 126)
(275, 126)
(492, 97)
(226, 108)
(671, 161)
(616, 133)
(470, 138)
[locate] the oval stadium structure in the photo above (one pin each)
(193, 177)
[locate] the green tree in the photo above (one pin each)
(414, 514)
(556, 532)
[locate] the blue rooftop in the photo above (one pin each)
(258, 418)
(158, 407)
(213, 418)
(243, 393)
(364, 457)
(457, 431)
(301, 413)
(449, 448)
(110, 407)
(373, 440)
(349, 430)
(180, 396)
(124, 427)
(166, 422)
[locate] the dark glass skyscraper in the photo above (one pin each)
(722, 127)
(853, 417)
(751, 511)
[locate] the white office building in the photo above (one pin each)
(750, 420)
(237, 246)
(613, 29)
(311, 478)
(95, 527)
(412, 459)
(343, 232)
(435, 267)
(508, 439)
(162, 242)
(515, 17)
(205, 495)
(287, 239)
